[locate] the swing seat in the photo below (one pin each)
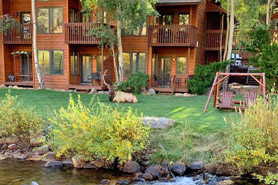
(250, 97)
(226, 101)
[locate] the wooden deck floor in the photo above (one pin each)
(84, 87)
(23, 83)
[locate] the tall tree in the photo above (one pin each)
(35, 51)
(128, 15)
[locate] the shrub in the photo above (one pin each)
(204, 76)
(253, 144)
(97, 132)
(135, 83)
(16, 120)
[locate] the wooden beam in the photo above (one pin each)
(256, 80)
(264, 87)
(211, 91)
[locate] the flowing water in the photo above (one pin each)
(19, 172)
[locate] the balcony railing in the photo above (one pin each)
(80, 33)
(18, 35)
(173, 35)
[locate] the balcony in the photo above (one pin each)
(173, 35)
(80, 33)
(20, 35)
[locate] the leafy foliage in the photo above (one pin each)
(253, 144)
(265, 54)
(16, 120)
(97, 131)
(135, 83)
(204, 76)
(7, 22)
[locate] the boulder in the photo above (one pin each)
(15, 87)
(93, 91)
(151, 92)
(198, 165)
(178, 169)
(42, 150)
(12, 147)
(98, 163)
(2, 86)
(50, 156)
(105, 181)
(131, 167)
(154, 170)
(88, 166)
(54, 164)
(178, 94)
(34, 183)
(147, 176)
(77, 162)
(123, 182)
(37, 141)
(68, 163)
(12, 140)
(158, 123)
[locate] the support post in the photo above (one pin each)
(211, 91)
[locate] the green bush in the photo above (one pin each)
(135, 83)
(204, 76)
(253, 144)
(98, 132)
(16, 120)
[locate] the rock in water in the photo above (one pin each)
(131, 167)
(42, 150)
(34, 183)
(158, 123)
(147, 176)
(54, 164)
(178, 169)
(198, 165)
(154, 170)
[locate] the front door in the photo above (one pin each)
(26, 68)
(165, 66)
(86, 69)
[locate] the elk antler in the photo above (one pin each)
(103, 79)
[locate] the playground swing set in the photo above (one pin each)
(225, 99)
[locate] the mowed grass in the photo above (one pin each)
(197, 135)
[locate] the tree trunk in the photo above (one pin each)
(35, 53)
(231, 31)
(120, 50)
(268, 10)
(228, 29)
(221, 39)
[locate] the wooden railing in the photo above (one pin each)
(213, 39)
(80, 33)
(173, 35)
(176, 83)
(18, 35)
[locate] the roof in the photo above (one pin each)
(178, 1)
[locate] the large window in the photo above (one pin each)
(51, 62)
(142, 30)
(167, 19)
(133, 63)
(74, 63)
(50, 20)
(181, 65)
(99, 62)
(183, 19)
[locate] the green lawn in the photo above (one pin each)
(196, 135)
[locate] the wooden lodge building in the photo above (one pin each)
(168, 48)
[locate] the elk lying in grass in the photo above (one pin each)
(118, 96)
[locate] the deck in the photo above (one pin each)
(178, 83)
(21, 84)
(20, 35)
(85, 87)
(81, 33)
(173, 35)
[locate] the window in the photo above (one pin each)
(183, 19)
(86, 17)
(142, 30)
(181, 65)
(74, 63)
(51, 62)
(74, 15)
(50, 20)
(133, 63)
(167, 19)
(102, 17)
(99, 63)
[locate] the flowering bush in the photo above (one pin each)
(98, 132)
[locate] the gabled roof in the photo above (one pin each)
(179, 1)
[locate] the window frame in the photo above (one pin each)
(186, 65)
(51, 61)
(130, 70)
(184, 13)
(49, 19)
(76, 54)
